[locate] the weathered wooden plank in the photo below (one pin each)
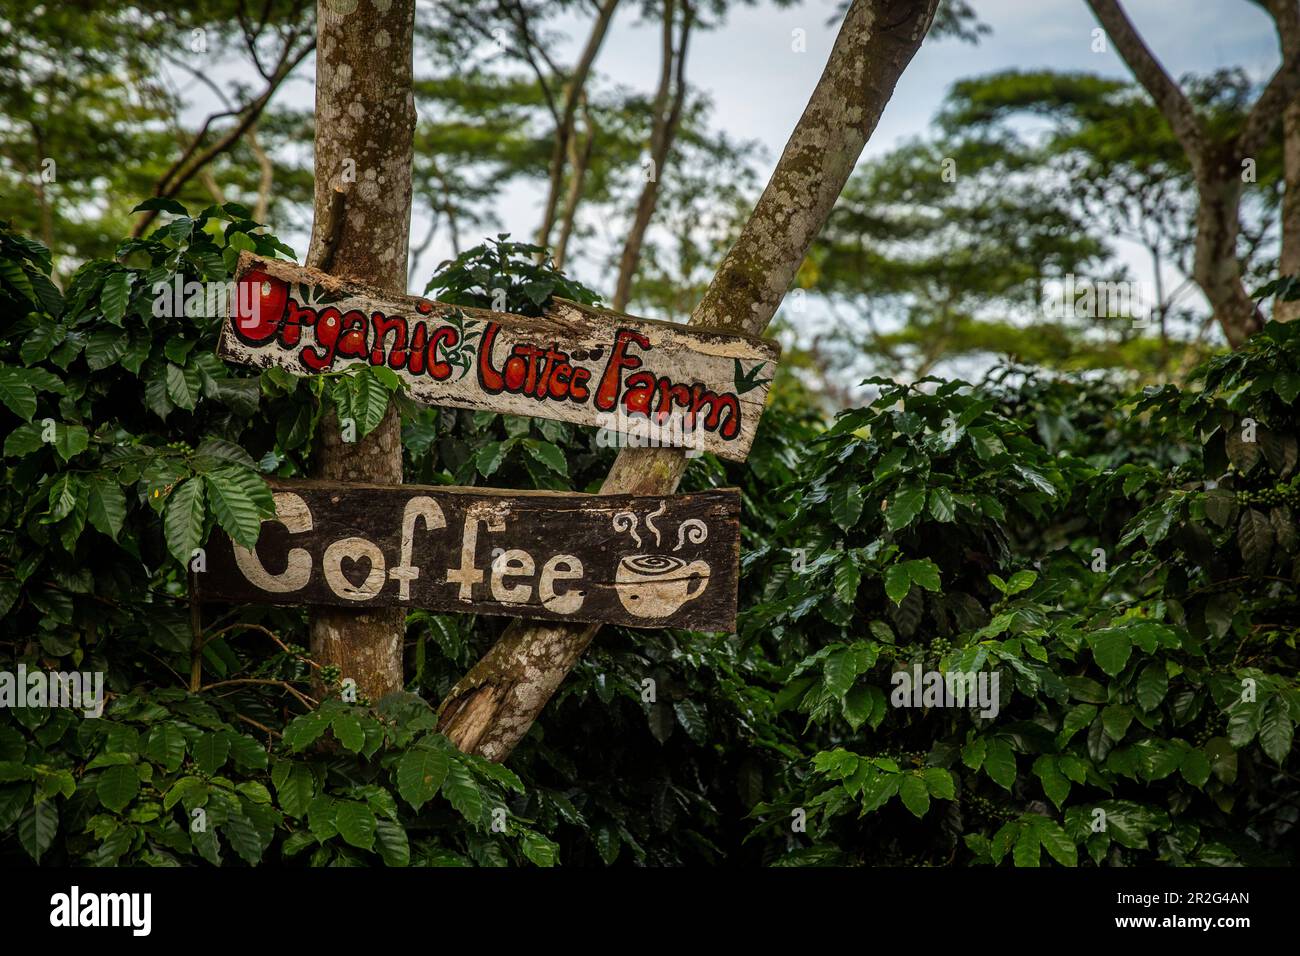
(657, 382)
(668, 561)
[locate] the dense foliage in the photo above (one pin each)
(1128, 568)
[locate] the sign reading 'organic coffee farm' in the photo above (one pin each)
(661, 383)
(639, 561)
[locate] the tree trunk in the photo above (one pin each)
(266, 178)
(1216, 265)
(579, 163)
(365, 124)
(1289, 264)
(664, 132)
(491, 708)
(573, 94)
(1215, 164)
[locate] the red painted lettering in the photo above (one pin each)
(611, 380)
(444, 335)
(488, 377)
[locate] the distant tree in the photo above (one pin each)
(945, 245)
(941, 245)
(1221, 156)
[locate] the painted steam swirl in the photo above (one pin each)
(654, 563)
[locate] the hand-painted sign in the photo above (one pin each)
(668, 561)
(658, 382)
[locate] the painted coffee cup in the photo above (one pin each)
(656, 585)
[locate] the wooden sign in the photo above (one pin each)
(657, 383)
(669, 561)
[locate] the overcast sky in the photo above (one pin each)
(759, 84)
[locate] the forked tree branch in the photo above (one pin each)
(491, 708)
(1282, 87)
(193, 159)
(1169, 97)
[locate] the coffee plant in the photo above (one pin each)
(1125, 563)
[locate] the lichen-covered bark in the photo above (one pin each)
(491, 708)
(1286, 15)
(1216, 265)
(1289, 262)
(365, 123)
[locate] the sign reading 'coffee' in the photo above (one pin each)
(625, 559)
(658, 383)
